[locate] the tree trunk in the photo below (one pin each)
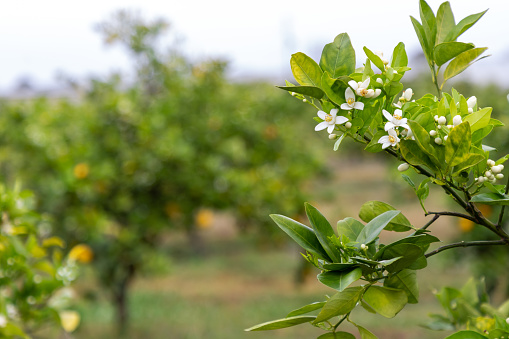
(121, 301)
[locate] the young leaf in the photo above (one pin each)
(301, 234)
(337, 335)
(305, 70)
(365, 334)
(340, 280)
(338, 57)
(409, 253)
(372, 229)
(491, 199)
(306, 309)
(466, 335)
(429, 24)
(445, 22)
(462, 62)
(386, 301)
(457, 146)
(340, 303)
(371, 209)
(419, 30)
(281, 323)
(338, 142)
(323, 231)
(479, 119)
(350, 228)
(399, 56)
(311, 91)
(463, 25)
(448, 50)
(374, 59)
(405, 280)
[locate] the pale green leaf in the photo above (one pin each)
(281, 323)
(338, 57)
(340, 303)
(462, 62)
(405, 280)
(448, 50)
(385, 301)
(323, 231)
(340, 280)
(371, 209)
(305, 70)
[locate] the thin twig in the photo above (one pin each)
(435, 217)
(455, 214)
(502, 211)
(466, 244)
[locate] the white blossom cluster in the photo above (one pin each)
(492, 174)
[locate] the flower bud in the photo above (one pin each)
(494, 180)
(488, 173)
(450, 126)
(348, 125)
(445, 138)
(496, 169)
(438, 141)
(333, 136)
(293, 94)
(403, 167)
(471, 102)
(501, 167)
(408, 94)
(456, 120)
(499, 176)
(490, 162)
(435, 117)
(364, 247)
(481, 179)
(378, 91)
(433, 133)
(304, 100)
(442, 120)
(380, 81)
(439, 126)
(507, 320)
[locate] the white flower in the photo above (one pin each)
(496, 169)
(330, 120)
(456, 120)
(403, 167)
(395, 120)
(389, 140)
(3, 320)
(361, 89)
(350, 101)
(471, 102)
(442, 120)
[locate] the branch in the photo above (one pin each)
(435, 217)
(502, 211)
(454, 214)
(466, 244)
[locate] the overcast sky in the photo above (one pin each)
(40, 38)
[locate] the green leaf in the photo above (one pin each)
(472, 160)
(375, 59)
(372, 209)
(462, 62)
(466, 335)
(337, 335)
(479, 119)
(372, 229)
(386, 301)
(340, 303)
(480, 134)
(421, 35)
(305, 70)
(409, 253)
(414, 155)
(409, 181)
(429, 24)
(497, 333)
(323, 231)
(350, 228)
(281, 323)
(338, 57)
(338, 142)
(423, 141)
(301, 234)
(334, 88)
(463, 25)
(339, 266)
(367, 115)
(491, 199)
(393, 88)
(399, 56)
(340, 280)
(457, 145)
(405, 280)
(306, 309)
(448, 50)
(374, 146)
(365, 334)
(445, 22)
(311, 91)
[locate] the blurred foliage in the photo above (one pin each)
(133, 157)
(35, 272)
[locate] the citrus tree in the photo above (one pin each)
(439, 136)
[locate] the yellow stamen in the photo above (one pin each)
(351, 101)
(364, 91)
(397, 117)
(328, 117)
(392, 139)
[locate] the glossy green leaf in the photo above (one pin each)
(365, 334)
(306, 309)
(372, 229)
(337, 335)
(393, 88)
(421, 35)
(449, 50)
(323, 231)
(463, 25)
(340, 303)
(414, 155)
(311, 91)
(340, 280)
(281, 323)
(375, 59)
(334, 88)
(368, 114)
(498, 334)
(385, 301)
(472, 160)
(301, 234)
(428, 20)
(339, 266)
(350, 228)
(421, 240)
(445, 22)
(405, 280)
(480, 134)
(423, 140)
(338, 57)
(374, 146)
(479, 119)
(466, 335)
(409, 253)
(371, 209)
(457, 145)
(462, 62)
(305, 70)
(399, 56)
(491, 199)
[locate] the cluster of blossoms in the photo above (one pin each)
(394, 124)
(330, 120)
(440, 135)
(492, 174)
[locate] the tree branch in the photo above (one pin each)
(466, 244)
(454, 214)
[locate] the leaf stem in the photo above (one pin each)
(466, 244)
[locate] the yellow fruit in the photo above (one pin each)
(69, 320)
(204, 218)
(81, 170)
(81, 253)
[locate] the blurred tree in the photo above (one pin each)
(133, 158)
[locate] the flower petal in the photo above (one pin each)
(387, 115)
(334, 112)
(365, 84)
(330, 129)
(346, 107)
(398, 112)
(353, 84)
(383, 139)
(321, 126)
(349, 94)
(341, 120)
(389, 126)
(321, 114)
(359, 105)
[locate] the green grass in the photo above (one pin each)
(237, 286)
